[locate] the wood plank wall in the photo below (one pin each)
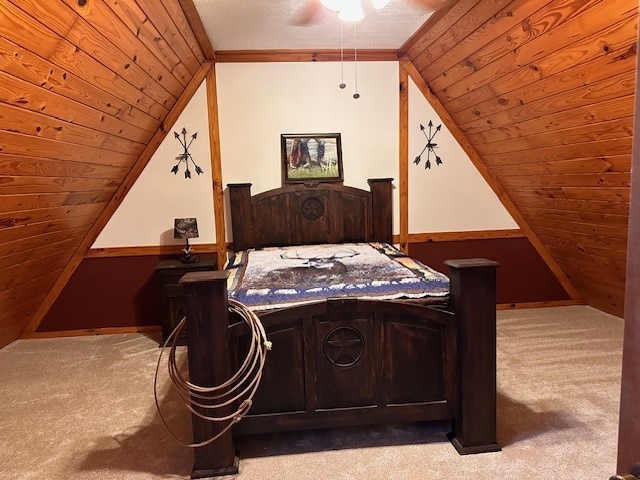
(544, 91)
(84, 87)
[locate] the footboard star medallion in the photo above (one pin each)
(344, 346)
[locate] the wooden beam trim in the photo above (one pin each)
(112, 252)
(435, 26)
(113, 205)
(216, 167)
(462, 236)
(321, 55)
(502, 195)
(191, 13)
(404, 157)
(426, 237)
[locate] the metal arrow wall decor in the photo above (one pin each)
(185, 156)
(430, 146)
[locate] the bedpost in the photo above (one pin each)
(381, 209)
(241, 215)
(206, 307)
(473, 300)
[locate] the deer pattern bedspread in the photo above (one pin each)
(277, 277)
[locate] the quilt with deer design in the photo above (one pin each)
(281, 276)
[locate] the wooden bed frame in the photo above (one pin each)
(345, 361)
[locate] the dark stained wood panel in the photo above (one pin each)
(544, 92)
(84, 90)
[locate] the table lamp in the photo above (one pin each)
(186, 228)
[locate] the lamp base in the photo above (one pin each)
(186, 253)
(188, 258)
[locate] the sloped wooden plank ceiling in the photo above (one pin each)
(544, 92)
(84, 89)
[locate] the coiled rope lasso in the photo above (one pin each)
(238, 390)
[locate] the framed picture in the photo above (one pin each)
(310, 158)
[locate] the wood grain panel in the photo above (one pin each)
(31, 243)
(580, 246)
(506, 45)
(511, 13)
(597, 149)
(39, 99)
(458, 34)
(63, 248)
(613, 129)
(616, 108)
(21, 165)
(83, 35)
(17, 185)
(608, 231)
(612, 163)
(613, 87)
(104, 20)
(175, 29)
(28, 122)
(66, 55)
(35, 229)
(17, 273)
(569, 180)
(620, 221)
(18, 144)
(33, 322)
(546, 99)
(137, 21)
(85, 91)
(31, 68)
(25, 217)
(554, 52)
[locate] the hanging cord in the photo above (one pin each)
(245, 381)
(356, 95)
(342, 84)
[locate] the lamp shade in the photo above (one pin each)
(185, 228)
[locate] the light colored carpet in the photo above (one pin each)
(83, 408)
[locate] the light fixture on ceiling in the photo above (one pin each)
(350, 10)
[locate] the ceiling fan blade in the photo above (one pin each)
(310, 13)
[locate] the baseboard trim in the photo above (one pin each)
(93, 331)
(550, 303)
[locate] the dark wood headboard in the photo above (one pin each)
(302, 214)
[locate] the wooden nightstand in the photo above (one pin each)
(169, 273)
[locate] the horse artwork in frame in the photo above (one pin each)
(311, 158)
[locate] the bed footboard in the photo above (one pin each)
(457, 349)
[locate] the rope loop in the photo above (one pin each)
(237, 390)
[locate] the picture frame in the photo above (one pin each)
(311, 157)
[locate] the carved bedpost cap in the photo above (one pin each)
(236, 185)
(372, 180)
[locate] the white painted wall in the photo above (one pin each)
(257, 102)
(145, 217)
(452, 197)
